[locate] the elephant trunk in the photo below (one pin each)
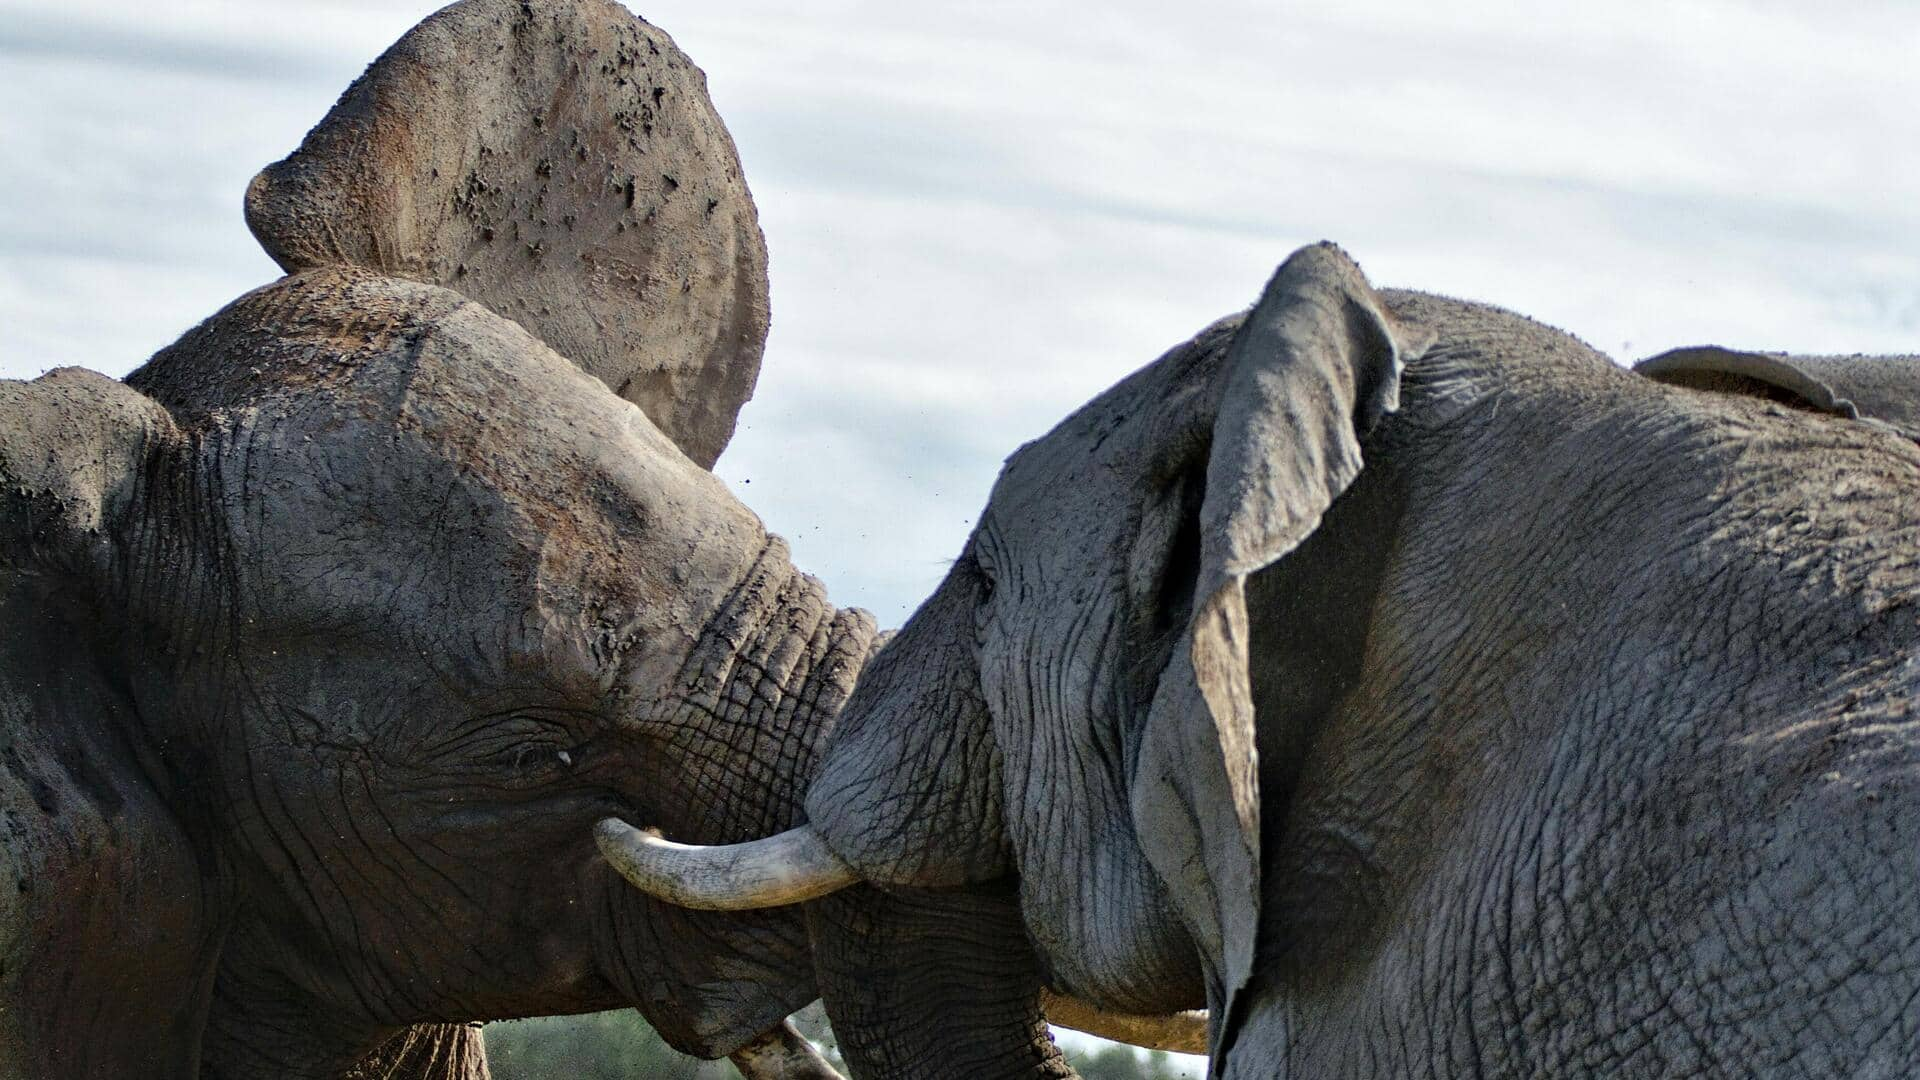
(933, 985)
(773, 670)
(740, 720)
(796, 866)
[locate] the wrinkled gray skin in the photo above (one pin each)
(560, 162)
(333, 630)
(346, 619)
(1428, 696)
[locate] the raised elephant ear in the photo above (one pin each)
(94, 863)
(558, 161)
(1316, 363)
(1885, 389)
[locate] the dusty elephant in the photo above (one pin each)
(1572, 733)
(332, 631)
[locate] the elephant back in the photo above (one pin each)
(1884, 389)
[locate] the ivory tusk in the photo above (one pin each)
(1181, 1032)
(782, 1054)
(785, 869)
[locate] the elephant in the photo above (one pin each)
(1424, 694)
(333, 629)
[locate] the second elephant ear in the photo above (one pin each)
(558, 161)
(1316, 363)
(1885, 389)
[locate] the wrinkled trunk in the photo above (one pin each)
(918, 983)
(910, 791)
(748, 711)
(932, 984)
(923, 982)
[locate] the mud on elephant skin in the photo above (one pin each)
(332, 662)
(335, 628)
(1428, 695)
(330, 669)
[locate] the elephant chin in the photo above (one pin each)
(796, 866)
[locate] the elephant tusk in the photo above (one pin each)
(785, 869)
(782, 1054)
(1181, 1032)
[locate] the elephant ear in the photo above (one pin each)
(1315, 364)
(1885, 389)
(71, 444)
(558, 161)
(108, 921)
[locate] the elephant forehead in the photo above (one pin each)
(382, 441)
(1089, 474)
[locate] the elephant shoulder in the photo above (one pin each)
(1883, 389)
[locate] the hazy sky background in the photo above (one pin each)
(980, 215)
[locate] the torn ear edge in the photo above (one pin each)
(1315, 365)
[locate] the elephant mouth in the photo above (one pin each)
(796, 866)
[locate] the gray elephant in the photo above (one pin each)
(336, 627)
(1426, 695)
(332, 631)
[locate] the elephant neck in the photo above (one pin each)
(762, 687)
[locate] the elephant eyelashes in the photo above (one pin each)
(983, 579)
(986, 588)
(517, 749)
(531, 760)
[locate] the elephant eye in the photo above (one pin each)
(534, 758)
(979, 559)
(532, 763)
(984, 584)
(514, 749)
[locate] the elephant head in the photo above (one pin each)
(1373, 667)
(1096, 628)
(334, 630)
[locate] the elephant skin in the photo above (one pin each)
(1426, 695)
(334, 629)
(349, 615)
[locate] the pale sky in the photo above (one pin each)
(982, 214)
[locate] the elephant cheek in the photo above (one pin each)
(559, 954)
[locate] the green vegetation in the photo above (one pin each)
(599, 1046)
(619, 1045)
